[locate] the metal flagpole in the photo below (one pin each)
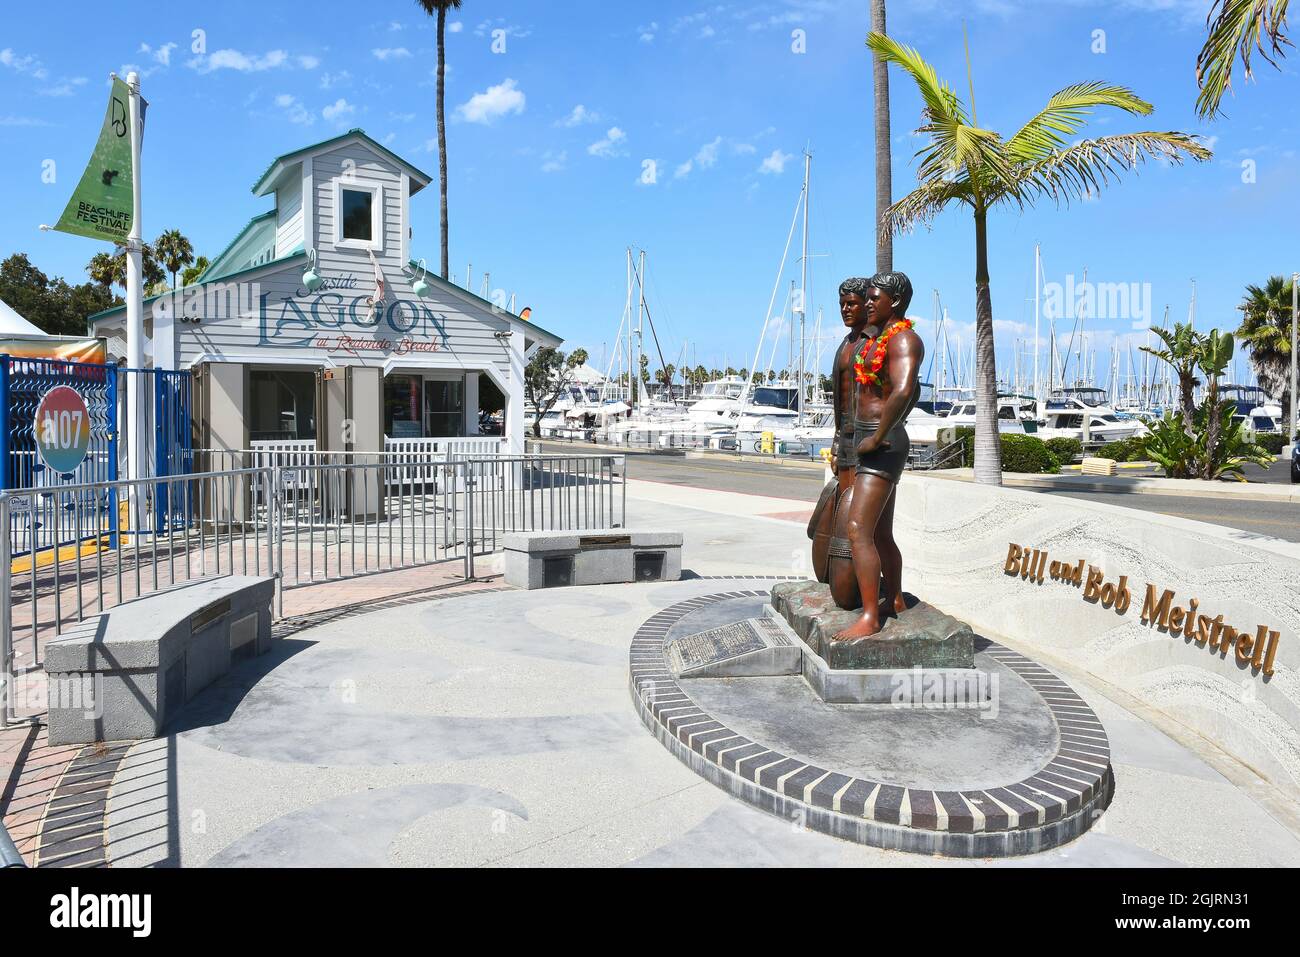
(134, 298)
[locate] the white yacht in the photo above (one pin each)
(1083, 413)
(1254, 407)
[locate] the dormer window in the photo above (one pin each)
(358, 221)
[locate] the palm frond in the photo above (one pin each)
(1237, 28)
(1065, 114)
(1083, 169)
(923, 204)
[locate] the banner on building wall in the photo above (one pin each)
(70, 350)
(101, 206)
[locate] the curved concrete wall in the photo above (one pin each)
(955, 538)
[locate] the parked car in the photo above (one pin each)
(1295, 462)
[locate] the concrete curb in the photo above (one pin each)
(1186, 488)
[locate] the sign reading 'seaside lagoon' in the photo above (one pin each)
(349, 323)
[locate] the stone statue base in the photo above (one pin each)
(920, 637)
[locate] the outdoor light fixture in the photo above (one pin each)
(310, 279)
(503, 335)
(421, 287)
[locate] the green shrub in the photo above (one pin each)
(1271, 443)
(1020, 453)
(1065, 450)
(1027, 453)
(1132, 449)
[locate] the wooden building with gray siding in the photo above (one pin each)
(336, 366)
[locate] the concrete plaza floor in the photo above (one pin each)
(497, 729)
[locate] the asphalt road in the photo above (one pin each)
(1278, 519)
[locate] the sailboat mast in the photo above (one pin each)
(640, 316)
(1038, 298)
(803, 280)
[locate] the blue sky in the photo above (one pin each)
(549, 139)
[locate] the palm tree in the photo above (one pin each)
(1237, 28)
(192, 273)
(1182, 351)
(1266, 331)
(174, 252)
(1213, 358)
(884, 155)
(109, 269)
(441, 7)
(966, 163)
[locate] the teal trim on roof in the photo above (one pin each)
(438, 280)
(210, 272)
(295, 155)
(298, 253)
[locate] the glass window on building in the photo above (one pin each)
(282, 405)
(358, 212)
(444, 408)
(403, 407)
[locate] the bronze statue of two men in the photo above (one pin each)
(874, 388)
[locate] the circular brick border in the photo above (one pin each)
(1049, 808)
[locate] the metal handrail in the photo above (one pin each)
(9, 855)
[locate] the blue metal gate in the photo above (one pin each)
(23, 382)
(173, 444)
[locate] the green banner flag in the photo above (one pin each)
(102, 205)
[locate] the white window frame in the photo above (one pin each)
(376, 214)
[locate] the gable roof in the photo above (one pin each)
(419, 178)
(485, 304)
(216, 266)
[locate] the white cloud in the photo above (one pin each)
(553, 162)
(331, 80)
(705, 158)
(494, 102)
(308, 62)
(294, 110)
(21, 121)
(708, 154)
(578, 117)
(391, 53)
(707, 32)
(455, 27)
(611, 145)
(775, 164)
(338, 109)
(395, 27)
(239, 61)
(162, 54)
(23, 64)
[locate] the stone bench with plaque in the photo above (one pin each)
(124, 674)
(557, 559)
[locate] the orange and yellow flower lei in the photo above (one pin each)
(871, 376)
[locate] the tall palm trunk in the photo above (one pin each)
(1212, 427)
(442, 139)
(884, 165)
(988, 444)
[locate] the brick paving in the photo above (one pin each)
(56, 790)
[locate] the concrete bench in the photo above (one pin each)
(126, 673)
(553, 559)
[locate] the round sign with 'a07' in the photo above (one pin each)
(62, 429)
